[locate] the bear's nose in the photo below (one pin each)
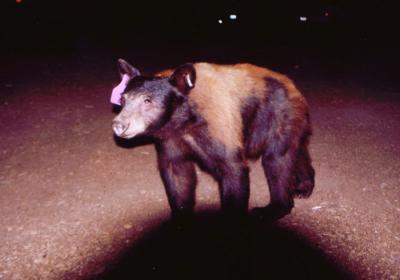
(119, 128)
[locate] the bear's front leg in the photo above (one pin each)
(179, 178)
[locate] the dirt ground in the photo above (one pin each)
(75, 203)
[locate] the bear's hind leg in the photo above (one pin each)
(304, 173)
(278, 170)
(234, 189)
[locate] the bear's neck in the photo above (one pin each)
(182, 120)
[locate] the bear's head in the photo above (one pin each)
(148, 102)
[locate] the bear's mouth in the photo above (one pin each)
(134, 128)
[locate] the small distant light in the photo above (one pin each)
(220, 21)
(18, 1)
(233, 17)
(326, 14)
(303, 19)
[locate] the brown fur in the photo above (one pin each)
(164, 73)
(220, 91)
(216, 116)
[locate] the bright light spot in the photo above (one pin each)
(220, 21)
(303, 18)
(18, 1)
(326, 14)
(233, 17)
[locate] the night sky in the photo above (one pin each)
(69, 25)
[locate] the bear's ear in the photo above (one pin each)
(184, 78)
(126, 69)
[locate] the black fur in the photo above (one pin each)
(178, 79)
(179, 176)
(126, 69)
(144, 83)
(182, 139)
(176, 156)
(304, 180)
(269, 132)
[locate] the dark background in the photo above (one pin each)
(81, 26)
(340, 40)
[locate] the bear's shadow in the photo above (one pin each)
(211, 249)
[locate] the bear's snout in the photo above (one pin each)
(119, 127)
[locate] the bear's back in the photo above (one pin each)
(221, 90)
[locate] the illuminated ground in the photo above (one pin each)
(72, 200)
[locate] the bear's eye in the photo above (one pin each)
(147, 101)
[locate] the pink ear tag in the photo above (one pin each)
(118, 90)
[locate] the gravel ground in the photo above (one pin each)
(76, 203)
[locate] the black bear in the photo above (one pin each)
(218, 116)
